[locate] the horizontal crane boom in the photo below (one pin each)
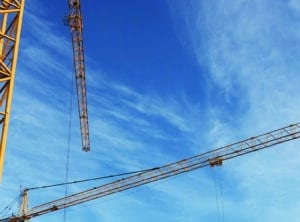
(211, 158)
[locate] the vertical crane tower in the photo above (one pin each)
(75, 23)
(11, 14)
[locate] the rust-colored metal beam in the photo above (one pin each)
(75, 23)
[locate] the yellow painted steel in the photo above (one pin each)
(11, 15)
(211, 158)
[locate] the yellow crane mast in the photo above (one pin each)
(211, 158)
(75, 23)
(11, 14)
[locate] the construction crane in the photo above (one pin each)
(211, 158)
(11, 14)
(74, 20)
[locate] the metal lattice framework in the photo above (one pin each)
(75, 23)
(212, 158)
(11, 14)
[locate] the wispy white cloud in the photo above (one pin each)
(252, 87)
(41, 31)
(249, 50)
(130, 130)
(176, 111)
(250, 53)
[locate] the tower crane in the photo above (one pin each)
(75, 22)
(211, 158)
(11, 14)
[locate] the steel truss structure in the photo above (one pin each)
(212, 158)
(75, 22)
(11, 14)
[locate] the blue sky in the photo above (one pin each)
(166, 80)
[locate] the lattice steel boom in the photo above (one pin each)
(75, 23)
(211, 158)
(11, 15)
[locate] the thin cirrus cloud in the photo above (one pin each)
(250, 91)
(40, 120)
(250, 51)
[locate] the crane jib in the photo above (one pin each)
(211, 158)
(75, 23)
